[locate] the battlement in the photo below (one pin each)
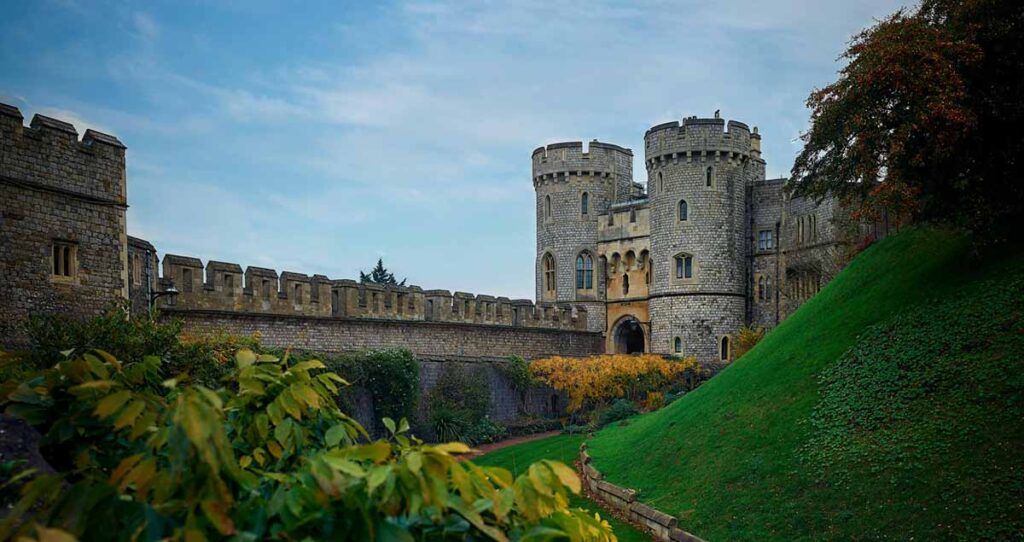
(696, 139)
(224, 286)
(570, 158)
(93, 167)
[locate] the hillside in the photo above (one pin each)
(889, 406)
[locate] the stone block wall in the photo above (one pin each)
(223, 286)
(427, 340)
(63, 235)
(623, 502)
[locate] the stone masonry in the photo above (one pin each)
(709, 247)
(63, 240)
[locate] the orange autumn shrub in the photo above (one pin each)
(594, 381)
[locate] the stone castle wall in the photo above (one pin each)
(427, 340)
(62, 200)
(223, 286)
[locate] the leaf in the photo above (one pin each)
(129, 414)
(415, 461)
(376, 452)
(93, 385)
(334, 435)
(344, 465)
(217, 512)
(46, 534)
(378, 475)
(109, 358)
(453, 448)
(403, 425)
(244, 358)
(275, 449)
(567, 476)
(245, 461)
(390, 424)
(112, 403)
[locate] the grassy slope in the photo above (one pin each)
(735, 459)
(563, 448)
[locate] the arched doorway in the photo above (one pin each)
(629, 336)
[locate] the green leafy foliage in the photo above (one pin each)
(517, 372)
(619, 410)
(391, 376)
(459, 405)
(268, 455)
(914, 124)
(877, 416)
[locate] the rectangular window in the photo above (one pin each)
(765, 240)
(136, 270)
(64, 256)
(684, 267)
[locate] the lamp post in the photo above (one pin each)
(153, 296)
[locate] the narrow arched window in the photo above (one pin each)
(683, 211)
(661, 183)
(298, 294)
(678, 346)
(709, 175)
(584, 272)
(760, 289)
(724, 354)
(547, 207)
(549, 275)
(632, 216)
(585, 204)
(650, 271)
(625, 283)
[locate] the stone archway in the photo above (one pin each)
(629, 336)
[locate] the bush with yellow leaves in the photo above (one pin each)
(592, 382)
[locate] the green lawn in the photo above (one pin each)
(563, 448)
(889, 406)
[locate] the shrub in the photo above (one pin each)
(391, 376)
(594, 381)
(746, 339)
(459, 402)
(517, 371)
(617, 411)
(125, 338)
(148, 457)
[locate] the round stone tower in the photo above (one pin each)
(573, 187)
(698, 172)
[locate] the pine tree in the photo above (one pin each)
(380, 275)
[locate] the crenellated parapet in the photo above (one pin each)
(557, 161)
(223, 286)
(48, 153)
(695, 139)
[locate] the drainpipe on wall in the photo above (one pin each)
(778, 254)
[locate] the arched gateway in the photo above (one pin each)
(629, 336)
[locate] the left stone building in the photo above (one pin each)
(63, 237)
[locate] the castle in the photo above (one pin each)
(678, 269)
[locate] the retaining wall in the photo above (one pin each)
(622, 501)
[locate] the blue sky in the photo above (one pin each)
(317, 136)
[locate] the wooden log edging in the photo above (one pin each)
(621, 501)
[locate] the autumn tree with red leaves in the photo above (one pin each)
(925, 119)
